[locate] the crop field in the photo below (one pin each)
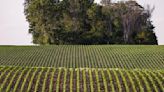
(19, 79)
(82, 68)
(95, 56)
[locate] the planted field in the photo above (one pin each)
(95, 56)
(19, 79)
(95, 68)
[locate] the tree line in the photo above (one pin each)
(86, 22)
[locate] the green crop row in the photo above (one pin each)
(107, 80)
(84, 56)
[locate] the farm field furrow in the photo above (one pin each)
(84, 56)
(82, 68)
(73, 78)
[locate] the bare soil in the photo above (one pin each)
(21, 81)
(94, 82)
(55, 80)
(142, 82)
(81, 82)
(114, 81)
(102, 87)
(121, 82)
(61, 82)
(15, 80)
(108, 80)
(48, 80)
(32, 89)
(41, 81)
(68, 82)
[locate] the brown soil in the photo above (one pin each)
(94, 82)
(74, 81)
(157, 84)
(121, 82)
(114, 81)
(3, 77)
(68, 82)
(149, 82)
(108, 81)
(21, 81)
(142, 82)
(32, 89)
(135, 82)
(102, 87)
(55, 80)
(8, 80)
(81, 82)
(41, 81)
(15, 80)
(61, 82)
(27, 81)
(48, 80)
(88, 82)
(128, 81)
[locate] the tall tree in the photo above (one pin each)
(84, 22)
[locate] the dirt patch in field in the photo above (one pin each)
(55, 80)
(134, 81)
(149, 82)
(101, 82)
(121, 82)
(127, 80)
(33, 85)
(156, 83)
(94, 82)
(48, 80)
(41, 81)
(27, 80)
(8, 80)
(68, 82)
(81, 82)
(21, 81)
(3, 77)
(114, 81)
(142, 82)
(88, 82)
(61, 82)
(108, 80)
(15, 80)
(74, 89)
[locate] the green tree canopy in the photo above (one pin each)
(84, 22)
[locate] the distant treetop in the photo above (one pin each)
(85, 22)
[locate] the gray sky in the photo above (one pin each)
(14, 28)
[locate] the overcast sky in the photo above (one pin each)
(14, 28)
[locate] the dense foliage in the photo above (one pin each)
(85, 22)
